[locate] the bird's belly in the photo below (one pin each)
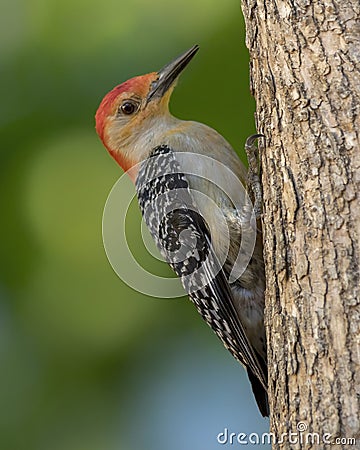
(249, 306)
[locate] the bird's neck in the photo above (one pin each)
(143, 139)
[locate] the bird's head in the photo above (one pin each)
(133, 109)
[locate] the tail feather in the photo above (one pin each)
(260, 394)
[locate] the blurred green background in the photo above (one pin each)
(86, 362)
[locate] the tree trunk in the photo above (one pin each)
(305, 60)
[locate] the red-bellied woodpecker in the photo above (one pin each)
(172, 162)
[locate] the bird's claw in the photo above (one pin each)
(252, 153)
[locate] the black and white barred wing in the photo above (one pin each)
(183, 238)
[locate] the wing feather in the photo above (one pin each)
(184, 239)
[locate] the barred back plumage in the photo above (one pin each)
(183, 238)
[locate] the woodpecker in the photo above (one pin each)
(160, 152)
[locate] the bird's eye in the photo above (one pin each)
(128, 107)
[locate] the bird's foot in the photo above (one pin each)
(252, 153)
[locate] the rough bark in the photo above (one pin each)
(305, 61)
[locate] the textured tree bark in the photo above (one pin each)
(305, 61)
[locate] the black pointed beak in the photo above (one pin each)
(168, 74)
